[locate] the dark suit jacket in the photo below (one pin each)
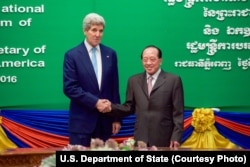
(80, 85)
(159, 118)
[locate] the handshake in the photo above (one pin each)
(103, 105)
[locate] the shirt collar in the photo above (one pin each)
(155, 76)
(89, 47)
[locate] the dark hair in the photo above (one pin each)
(153, 46)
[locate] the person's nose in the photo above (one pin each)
(98, 33)
(148, 61)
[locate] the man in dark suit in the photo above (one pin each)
(158, 108)
(87, 85)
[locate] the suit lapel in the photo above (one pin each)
(105, 58)
(143, 82)
(88, 64)
(160, 81)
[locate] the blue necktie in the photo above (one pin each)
(94, 61)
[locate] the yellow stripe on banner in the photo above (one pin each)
(5, 142)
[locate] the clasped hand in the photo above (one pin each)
(103, 105)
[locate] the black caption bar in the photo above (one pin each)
(159, 158)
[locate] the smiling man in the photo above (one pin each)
(90, 77)
(156, 98)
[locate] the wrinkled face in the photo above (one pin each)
(150, 60)
(94, 34)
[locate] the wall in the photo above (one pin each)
(215, 73)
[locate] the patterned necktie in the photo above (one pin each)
(94, 61)
(150, 79)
